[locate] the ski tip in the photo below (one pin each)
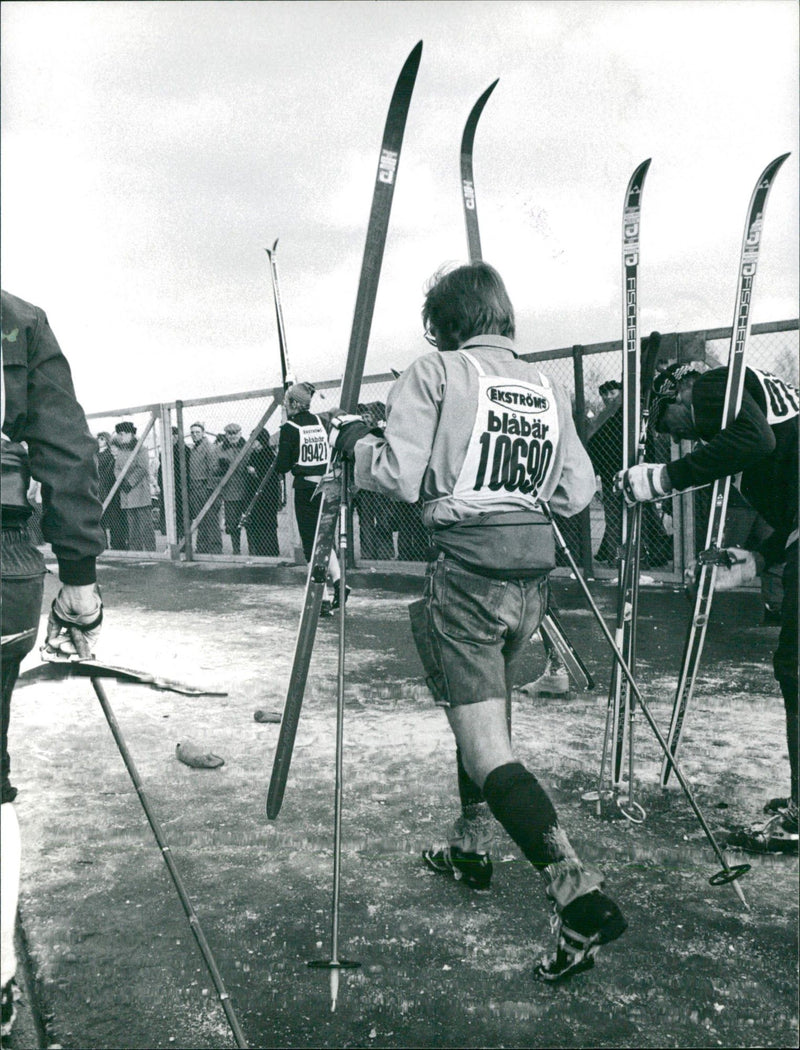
(415, 54)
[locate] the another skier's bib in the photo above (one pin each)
(783, 401)
(314, 449)
(511, 449)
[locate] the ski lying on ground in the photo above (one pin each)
(628, 574)
(709, 557)
(351, 384)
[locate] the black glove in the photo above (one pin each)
(346, 431)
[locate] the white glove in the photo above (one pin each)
(643, 482)
(74, 608)
(739, 568)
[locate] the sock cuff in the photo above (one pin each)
(504, 779)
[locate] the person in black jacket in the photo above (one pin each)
(262, 524)
(762, 444)
(44, 436)
(303, 449)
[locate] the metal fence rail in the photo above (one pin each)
(211, 506)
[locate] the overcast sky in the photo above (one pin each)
(151, 151)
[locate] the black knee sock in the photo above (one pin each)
(524, 809)
(468, 791)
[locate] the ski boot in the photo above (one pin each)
(553, 683)
(337, 601)
(778, 835)
(581, 927)
(466, 855)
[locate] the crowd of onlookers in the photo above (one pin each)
(133, 494)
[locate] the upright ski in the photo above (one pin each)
(628, 574)
(287, 376)
(552, 631)
(467, 180)
(351, 383)
(709, 557)
(286, 368)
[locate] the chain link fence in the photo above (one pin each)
(193, 479)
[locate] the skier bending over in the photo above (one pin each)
(483, 436)
(761, 443)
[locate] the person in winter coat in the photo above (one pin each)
(202, 481)
(45, 437)
(113, 519)
(262, 524)
(135, 497)
(234, 491)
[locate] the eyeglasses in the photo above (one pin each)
(430, 337)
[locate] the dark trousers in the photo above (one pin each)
(785, 658)
(21, 588)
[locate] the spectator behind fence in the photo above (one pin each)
(605, 451)
(202, 474)
(113, 520)
(136, 500)
(262, 524)
(176, 477)
(234, 491)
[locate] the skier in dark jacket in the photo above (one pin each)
(303, 449)
(40, 410)
(761, 443)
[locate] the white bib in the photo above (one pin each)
(783, 401)
(511, 449)
(314, 447)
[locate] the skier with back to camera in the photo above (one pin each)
(303, 449)
(762, 444)
(483, 437)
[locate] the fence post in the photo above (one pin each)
(585, 516)
(167, 494)
(183, 460)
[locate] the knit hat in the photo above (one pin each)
(666, 386)
(232, 428)
(125, 427)
(301, 393)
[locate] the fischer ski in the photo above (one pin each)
(351, 383)
(709, 557)
(619, 693)
(552, 631)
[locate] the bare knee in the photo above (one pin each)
(481, 732)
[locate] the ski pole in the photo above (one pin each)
(82, 649)
(728, 873)
(334, 964)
